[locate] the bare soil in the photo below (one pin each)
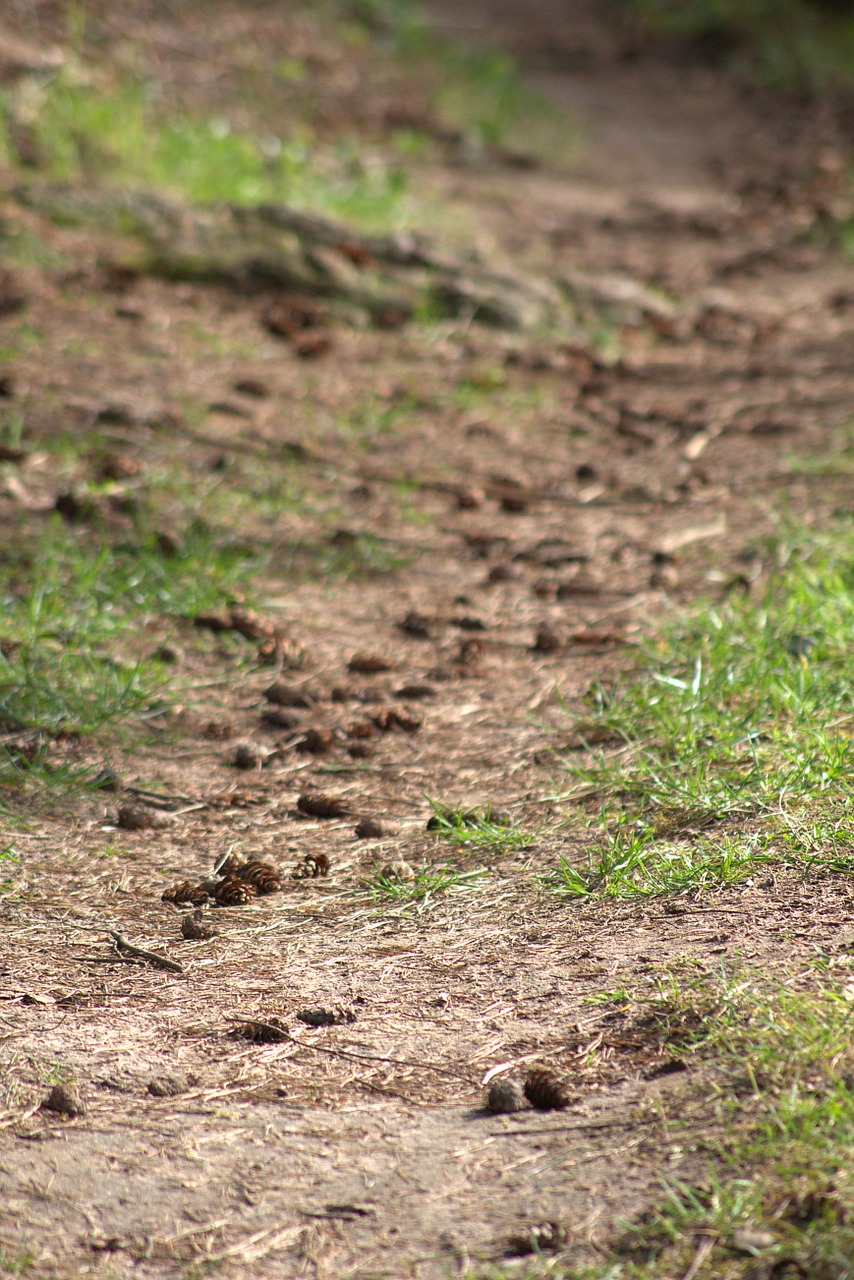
(363, 1148)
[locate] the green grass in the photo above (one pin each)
(116, 130)
(71, 661)
(483, 829)
(735, 737)
(426, 884)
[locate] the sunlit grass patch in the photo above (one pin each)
(742, 716)
(485, 828)
(424, 885)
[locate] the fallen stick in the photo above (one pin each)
(126, 948)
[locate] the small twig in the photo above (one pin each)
(159, 962)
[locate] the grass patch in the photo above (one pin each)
(485, 828)
(425, 885)
(782, 1088)
(69, 660)
(116, 130)
(741, 717)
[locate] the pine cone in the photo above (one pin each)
(397, 718)
(312, 865)
(318, 805)
(317, 742)
(546, 1091)
(271, 1032)
(233, 892)
(335, 1017)
(263, 876)
(186, 891)
(231, 867)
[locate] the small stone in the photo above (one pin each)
(397, 870)
(547, 640)
(505, 1096)
(65, 1100)
(247, 757)
(375, 829)
(138, 817)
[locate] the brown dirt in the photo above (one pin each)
(361, 1148)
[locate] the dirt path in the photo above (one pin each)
(361, 1148)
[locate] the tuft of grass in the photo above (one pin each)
(484, 828)
(741, 716)
(427, 883)
(69, 661)
(780, 1063)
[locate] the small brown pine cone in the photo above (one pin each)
(505, 1096)
(186, 891)
(271, 1032)
(230, 867)
(233, 892)
(318, 805)
(369, 664)
(263, 876)
(545, 1090)
(312, 866)
(286, 695)
(317, 742)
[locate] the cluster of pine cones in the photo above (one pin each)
(235, 882)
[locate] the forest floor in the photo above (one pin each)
(589, 586)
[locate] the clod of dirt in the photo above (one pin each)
(544, 1237)
(318, 805)
(416, 692)
(167, 1086)
(289, 317)
(253, 387)
(233, 892)
(263, 876)
(286, 695)
(248, 757)
(397, 870)
(397, 718)
(507, 571)
(279, 718)
(369, 664)
(311, 866)
(469, 623)
(514, 505)
(138, 817)
(196, 928)
(317, 742)
(505, 1096)
(335, 1017)
(548, 639)
(375, 829)
(417, 625)
(469, 498)
(64, 1099)
(185, 892)
(169, 654)
(271, 1032)
(545, 1090)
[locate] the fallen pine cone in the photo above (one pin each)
(229, 866)
(397, 718)
(185, 891)
(318, 805)
(311, 866)
(271, 1032)
(336, 1017)
(375, 829)
(546, 1091)
(233, 892)
(317, 742)
(263, 876)
(369, 664)
(547, 640)
(138, 817)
